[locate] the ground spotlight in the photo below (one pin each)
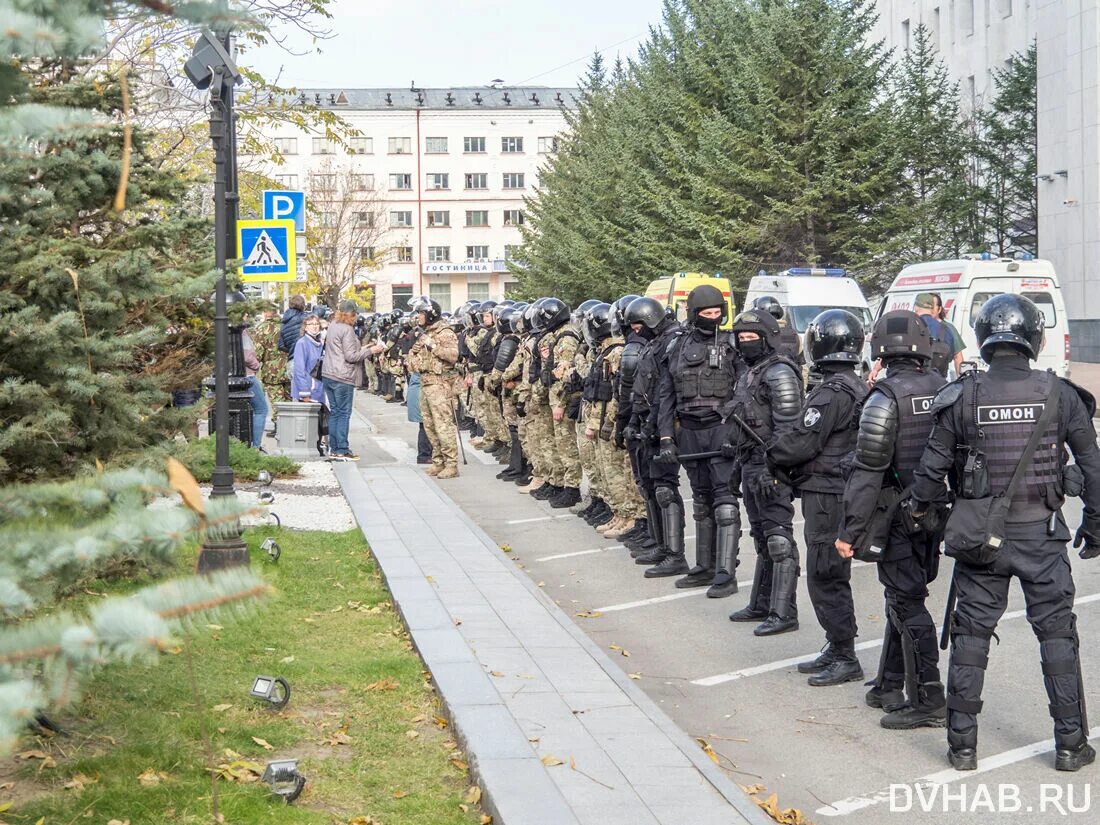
(272, 689)
(267, 497)
(264, 477)
(285, 780)
(271, 547)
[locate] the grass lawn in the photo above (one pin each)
(361, 717)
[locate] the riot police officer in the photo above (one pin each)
(694, 393)
(767, 403)
(984, 426)
(658, 328)
(893, 429)
(813, 453)
(789, 342)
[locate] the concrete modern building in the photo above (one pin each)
(978, 36)
(447, 170)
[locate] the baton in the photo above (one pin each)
(949, 614)
(698, 456)
(458, 430)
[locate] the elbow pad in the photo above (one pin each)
(506, 353)
(878, 431)
(785, 389)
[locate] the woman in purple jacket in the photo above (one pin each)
(307, 352)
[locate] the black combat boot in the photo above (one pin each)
(928, 711)
(603, 517)
(544, 492)
(671, 561)
(887, 697)
(702, 574)
(824, 659)
(754, 611)
(673, 564)
(1073, 752)
(727, 534)
(844, 667)
(566, 498)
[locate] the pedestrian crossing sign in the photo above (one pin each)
(266, 249)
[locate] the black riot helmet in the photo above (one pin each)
(483, 308)
(768, 304)
(431, 309)
(835, 336)
(518, 320)
(597, 323)
(531, 316)
(706, 296)
(1011, 320)
(552, 314)
(649, 312)
(901, 334)
(577, 317)
(504, 320)
(618, 313)
(760, 322)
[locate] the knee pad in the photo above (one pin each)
(725, 515)
(781, 548)
(700, 510)
(666, 496)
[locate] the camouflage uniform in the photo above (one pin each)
(436, 366)
(272, 374)
(540, 426)
(622, 494)
(582, 364)
(565, 430)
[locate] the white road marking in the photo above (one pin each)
(584, 552)
(538, 518)
(945, 777)
(733, 676)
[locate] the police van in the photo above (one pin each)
(673, 292)
(965, 284)
(806, 292)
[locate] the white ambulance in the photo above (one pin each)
(965, 284)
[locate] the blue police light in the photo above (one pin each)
(987, 256)
(828, 272)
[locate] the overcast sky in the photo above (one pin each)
(462, 42)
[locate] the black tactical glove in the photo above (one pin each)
(1092, 544)
(768, 486)
(521, 409)
(629, 433)
(620, 439)
(667, 454)
(729, 450)
(481, 383)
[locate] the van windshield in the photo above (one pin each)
(802, 315)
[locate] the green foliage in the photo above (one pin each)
(198, 457)
(330, 629)
(53, 536)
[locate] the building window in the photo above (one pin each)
(473, 145)
(439, 180)
(400, 146)
(362, 183)
(477, 180)
(439, 218)
(477, 291)
(441, 294)
(435, 146)
(510, 288)
(967, 22)
(936, 27)
(513, 180)
(323, 181)
(511, 250)
(973, 90)
(477, 217)
(328, 219)
(477, 253)
(323, 146)
(905, 34)
(511, 145)
(439, 254)
(513, 217)
(365, 218)
(327, 253)
(401, 219)
(405, 256)
(286, 146)
(548, 145)
(362, 145)
(366, 254)
(402, 294)
(400, 181)
(289, 181)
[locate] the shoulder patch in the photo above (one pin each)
(1085, 396)
(947, 396)
(811, 417)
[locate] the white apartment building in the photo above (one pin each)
(978, 36)
(450, 169)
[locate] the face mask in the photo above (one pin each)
(751, 350)
(647, 333)
(316, 335)
(707, 324)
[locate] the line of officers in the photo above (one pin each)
(626, 395)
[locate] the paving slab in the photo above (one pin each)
(522, 683)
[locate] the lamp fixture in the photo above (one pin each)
(264, 477)
(267, 497)
(1062, 173)
(275, 690)
(285, 780)
(271, 547)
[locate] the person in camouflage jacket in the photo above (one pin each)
(272, 374)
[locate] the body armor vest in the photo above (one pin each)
(464, 353)
(648, 373)
(484, 356)
(751, 393)
(603, 388)
(913, 391)
(548, 365)
(534, 363)
(1000, 417)
(703, 370)
(845, 387)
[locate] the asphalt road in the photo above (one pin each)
(820, 749)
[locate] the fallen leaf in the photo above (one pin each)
(635, 676)
(338, 738)
(383, 684)
(473, 795)
(788, 816)
(458, 622)
(181, 480)
(240, 770)
(47, 760)
(613, 647)
(507, 548)
(286, 660)
(151, 777)
(223, 707)
(215, 627)
(363, 820)
(625, 653)
(263, 743)
(589, 614)
(399, 794)
(440, 722)
(495, 673)
(412, 734)
(464, 808)
(708, 750)
(550, 761)
(308, 620)
(118, 822)
(458, 763)
(572, 762)
(753, 790)
(533, 739)
(486, 820)
(76, 783)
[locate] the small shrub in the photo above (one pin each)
(198, 457)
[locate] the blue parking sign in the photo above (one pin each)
(267, 251)
(280, 205)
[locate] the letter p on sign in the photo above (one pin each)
(285, 205)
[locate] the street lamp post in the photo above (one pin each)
(212, 67)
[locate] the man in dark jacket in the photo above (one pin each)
(290, 329)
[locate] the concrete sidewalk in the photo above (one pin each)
(556, 733)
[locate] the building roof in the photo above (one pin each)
(466, 98)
